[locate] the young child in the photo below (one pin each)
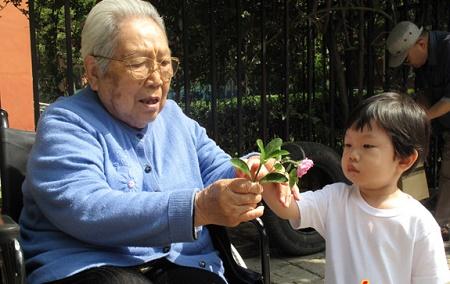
(374, 232)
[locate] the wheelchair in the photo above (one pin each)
(15, 146)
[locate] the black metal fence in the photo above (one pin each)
(259, 68)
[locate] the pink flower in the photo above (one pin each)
(304, 167)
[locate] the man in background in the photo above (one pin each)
(428, 52)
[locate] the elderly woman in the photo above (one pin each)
(120, 182)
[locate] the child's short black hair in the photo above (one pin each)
(404, 121)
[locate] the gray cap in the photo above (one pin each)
(402, 37)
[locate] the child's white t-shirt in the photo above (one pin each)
(400, 245)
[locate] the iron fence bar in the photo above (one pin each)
(332, 95)
(239, 77)
(34, 61)
(435, 11)
(302, 82)
(310, 69)
(212, 15)
(327, 92)
(448, 23)
(263, 74)
(370, 52)
(286, 70)
(387, 79)
(68, 31)
(185, 60)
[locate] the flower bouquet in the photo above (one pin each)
(284, 168)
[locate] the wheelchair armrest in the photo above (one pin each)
(264, 249)
(9, 229)
(12, 267)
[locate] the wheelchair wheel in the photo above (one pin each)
(326, 170)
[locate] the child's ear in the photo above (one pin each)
(92, 72)
(406, 163)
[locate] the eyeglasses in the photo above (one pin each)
(141, 68)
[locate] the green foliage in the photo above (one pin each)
(327, 58)
(241, 165)
(273, 177)
(271, 151)
(285, 169)
(51, 45)
(300, 120)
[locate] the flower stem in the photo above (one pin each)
(257, 172)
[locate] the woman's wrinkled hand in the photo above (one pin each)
(228, 202)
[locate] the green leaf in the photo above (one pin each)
(273, 145)
(262, 160)
(288, 167)
(276, 154)
(273, 177)
(241, 165)
(293, 177)
(278, 167)
(260, 144)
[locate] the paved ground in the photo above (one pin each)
(284, 270)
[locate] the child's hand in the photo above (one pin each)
(281, 193)
(286, 193)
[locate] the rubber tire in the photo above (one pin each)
(326, 170)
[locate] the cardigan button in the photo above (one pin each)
(147, 169)
(140, 136)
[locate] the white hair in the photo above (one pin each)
(99, 35)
